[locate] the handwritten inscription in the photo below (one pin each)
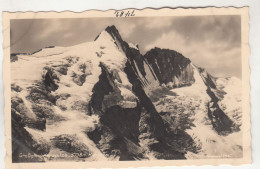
(47, 156)
(122, 13)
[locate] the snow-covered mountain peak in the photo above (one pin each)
(105, 37)
(110, 34)
(119, 104)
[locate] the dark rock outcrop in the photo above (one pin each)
(14, 56)
(49, 80)
(103, 91)
(170, 67)
(119, 126)
(220, 121)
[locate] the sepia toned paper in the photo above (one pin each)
(127, 88)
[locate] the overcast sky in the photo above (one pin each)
(211, 42)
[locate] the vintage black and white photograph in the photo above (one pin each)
(126, 88)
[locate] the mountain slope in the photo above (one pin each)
(104, 100)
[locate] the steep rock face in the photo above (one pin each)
(141, 69)
(140, 123)
(171, 68)
(220, 121)
(123, 125)
(131, 71)
(117, 135)
(103, 92)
